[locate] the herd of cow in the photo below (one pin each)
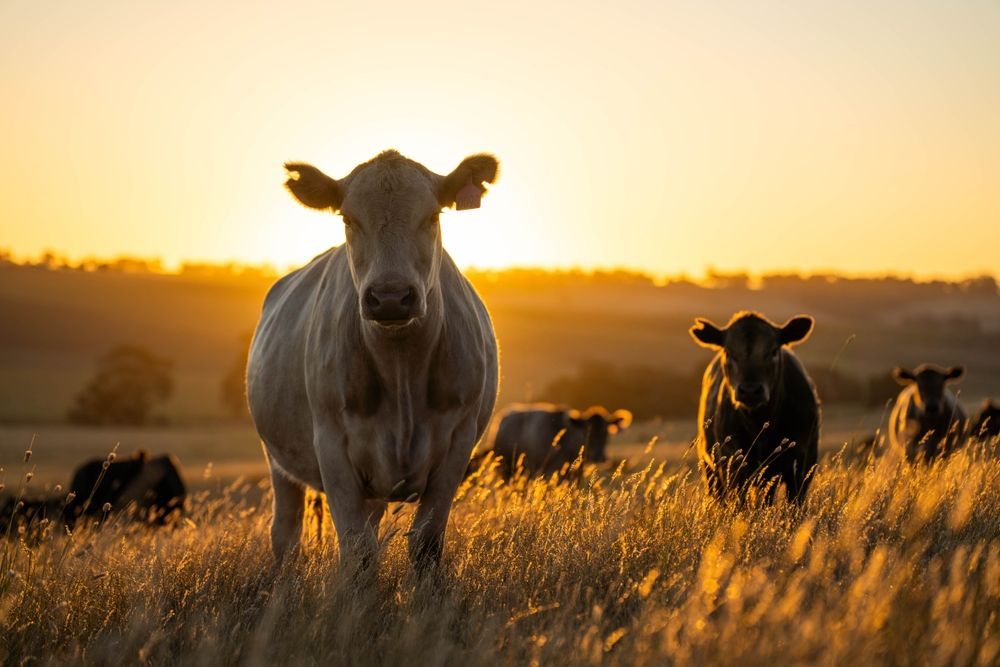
(373, 374)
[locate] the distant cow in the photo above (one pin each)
(151, 486)
(551, 436)
(987, 424)
(927, 421)
(373, 370)
(759, 416)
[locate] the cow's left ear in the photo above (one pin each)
(796, 330)
(619, 421)
(955, 372)
(463, 188)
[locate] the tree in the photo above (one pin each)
(130, 382)
(233, 390)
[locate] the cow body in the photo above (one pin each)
(927, 421)
(772, 435)
(153, 487)
(366, 409)
(543, 438)
(987, 424)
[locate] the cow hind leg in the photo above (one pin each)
(289, 508)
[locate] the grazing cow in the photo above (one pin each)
(153, 487)
(759, 416)
(550, 436)
(927, 420)
(373, 370)
(987, 423)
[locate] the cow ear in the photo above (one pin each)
(312, 187)
(463, 188)
(902, 376)
(707, 334)
(796, 330)
(955, 372)
(619, 421)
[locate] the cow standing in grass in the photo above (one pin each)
(543, 438)
(759, 416)
(927, 420)
(373, 370)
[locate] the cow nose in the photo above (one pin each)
(750, 392)
(390, 302)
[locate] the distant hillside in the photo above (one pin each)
(56, 322)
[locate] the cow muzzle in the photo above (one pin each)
(751, 394)
(391, 303)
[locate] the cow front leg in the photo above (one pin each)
(348, 508)
(426, 538)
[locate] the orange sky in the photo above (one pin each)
(663, 136)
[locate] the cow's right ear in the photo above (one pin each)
(312, 187)
(707, 334)
(903, 376)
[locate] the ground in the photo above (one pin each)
(885, 563)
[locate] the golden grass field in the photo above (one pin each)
(885, 563)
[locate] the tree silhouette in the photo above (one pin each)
(233, 389)
(129, 383)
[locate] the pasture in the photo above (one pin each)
(884, 563)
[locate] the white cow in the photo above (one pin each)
(373, 370)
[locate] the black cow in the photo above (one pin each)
(759, 415)
(987, 424)
(927, 421)
(153, 487)
(546, 437)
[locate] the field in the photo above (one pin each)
(548, 325)
(885, 563)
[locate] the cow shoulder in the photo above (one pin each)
(460, 359)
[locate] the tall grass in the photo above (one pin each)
(884, 563)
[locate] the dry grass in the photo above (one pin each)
(884, 564)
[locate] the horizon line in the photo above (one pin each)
(160, 266)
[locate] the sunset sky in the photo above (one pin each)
(664, 136)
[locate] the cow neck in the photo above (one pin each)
(402, 361)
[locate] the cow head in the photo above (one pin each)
(930, 382)
(750, 347)
(390, 207)
(599, 424)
